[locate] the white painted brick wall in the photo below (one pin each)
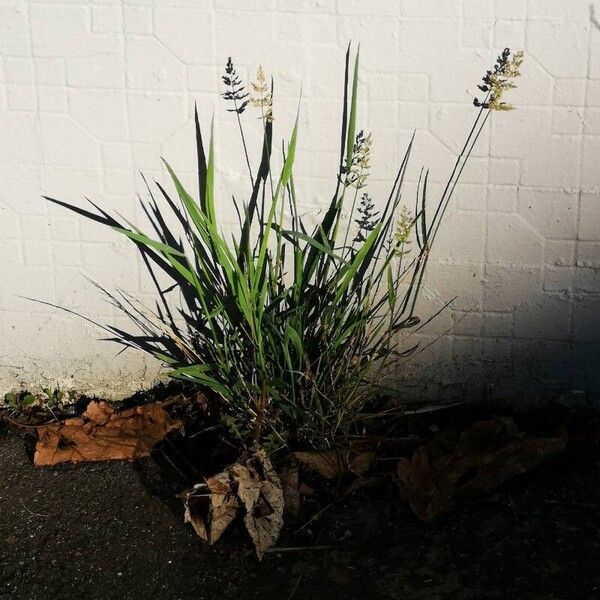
(91, 92)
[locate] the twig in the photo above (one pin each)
(181, 455)
(298, 549)
(303, 572)
(315, 516)
(11, 421)
(205, 430)
(174, 466)
(31, 512)
(436, 407)
(572, 503)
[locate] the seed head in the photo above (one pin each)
(499, 80)
(404, 226)
(367, 218)
(358, 170)
(261, 95)
(235, 91)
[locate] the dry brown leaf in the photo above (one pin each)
(362, 462)
(192, 513)
(253, 486)
(211, 507)
(480, 459)
(103, 433)
(430, 484)
(328, 463)
(515, 459)
(225, 505)
(259, 489)
(335, 463)
(99, 412)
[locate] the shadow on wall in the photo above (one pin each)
(534, 336)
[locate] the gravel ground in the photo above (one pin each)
(102, 531)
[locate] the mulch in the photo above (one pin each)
(114, 530)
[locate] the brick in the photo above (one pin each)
(567, 59)
(503, 171)
(502, 198)
(102, 113)
(546, 318)
(476, 34)
(509, 34)
(22, 97)
(64, 31)
(116, 155)
(462, 237)
(413, 87)
(574, 10)
(38, 253)
(65, 143)
(558, 279)
(570, 92)
(19, 70)
(591, 120)
(467, 323)
(478, 9)
(431, 9)
(463, 281)
(188, 33)
(511, 241)
(50, 71)
(150, 66)
(152, 118)
(587, 280)
(384, 34)
(560, 252)
(497, 324)
(550, 213)
(588, 254)
(90, 72)
(586, 322)
(470, 197)
(53, 99)
(203, 78)
(589, 161)
(14, 30)
(510, 9)
(106, 19)
(589, 217)
(568, 121)
(137, 19)
(23, 132)
(505, 287)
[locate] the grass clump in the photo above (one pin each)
(292, 327)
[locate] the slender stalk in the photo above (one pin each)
(239, 120)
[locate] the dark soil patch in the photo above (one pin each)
(112, 530)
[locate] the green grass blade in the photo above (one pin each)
(210, 176)
(356, 263)
(350, 138)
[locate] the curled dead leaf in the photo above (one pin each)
(211, 507)
(259, 489)
(477, 460)
(328, 463)
(103, 433)
(332, 464)
(253, 488)
(361, 463)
